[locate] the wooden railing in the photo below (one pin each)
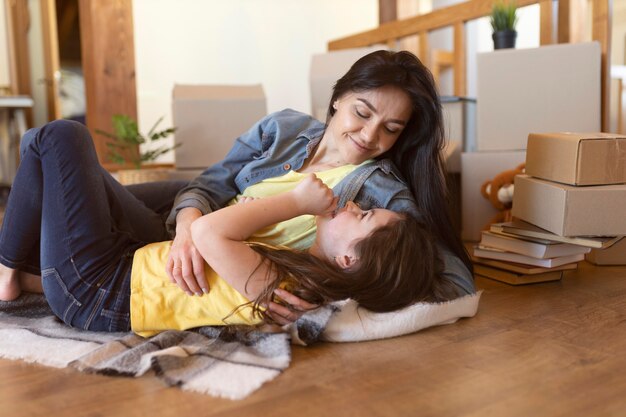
(456, 16)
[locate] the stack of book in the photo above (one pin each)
(520, 253)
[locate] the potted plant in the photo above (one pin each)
(124, 149)
(503, 22)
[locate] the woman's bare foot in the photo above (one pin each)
(9, 284)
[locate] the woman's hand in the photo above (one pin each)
(314, 197)
(282, 314)
(185, 265)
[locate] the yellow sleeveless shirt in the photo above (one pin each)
(157, 305)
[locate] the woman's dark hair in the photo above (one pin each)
(418, 151)
(399, 264)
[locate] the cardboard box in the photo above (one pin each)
(476, 168)
(325, 70)
(567, 210)
(614, 255)
(552, 88)
(209, 118)
(577, 158)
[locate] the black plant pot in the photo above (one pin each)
(504, 39)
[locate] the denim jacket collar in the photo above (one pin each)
(314, 135)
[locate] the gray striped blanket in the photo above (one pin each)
(220, 361)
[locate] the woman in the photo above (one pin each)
(386, 105)
(385, 117)
(98, 275)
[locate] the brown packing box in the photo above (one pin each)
(577, 158)
(209, 118)
(614, 255)
(567, 210)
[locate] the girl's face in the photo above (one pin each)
(367, 124)
(337, 235)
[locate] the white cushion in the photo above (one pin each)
(353, 324)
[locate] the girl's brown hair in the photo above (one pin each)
(399, 264)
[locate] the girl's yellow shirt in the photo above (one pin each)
(156, 304)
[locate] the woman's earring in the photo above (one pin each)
(335, 105)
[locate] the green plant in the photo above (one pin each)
(127, 139)
(503, 16)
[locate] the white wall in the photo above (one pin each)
(236, 42)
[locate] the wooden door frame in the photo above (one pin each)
(108, 60)
(18, 24)
(52, 64)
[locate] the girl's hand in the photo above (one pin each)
(314, 197)
(244, 199)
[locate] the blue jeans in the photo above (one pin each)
(70, 221)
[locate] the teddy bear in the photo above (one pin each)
(499, 192)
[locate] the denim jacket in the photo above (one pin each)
(279, 143)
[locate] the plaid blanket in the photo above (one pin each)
(229, 362)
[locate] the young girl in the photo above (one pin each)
(64, 203)
(333, 268)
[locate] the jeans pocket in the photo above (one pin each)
(61, 301)
(118, 321)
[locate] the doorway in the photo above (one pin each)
(76, 59)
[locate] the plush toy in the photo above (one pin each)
(499, 192)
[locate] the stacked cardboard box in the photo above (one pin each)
(573, 191)
(550, 88)
(614, 255)
(580, 183)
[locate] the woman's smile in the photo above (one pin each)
(361, 147)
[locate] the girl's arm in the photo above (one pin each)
(220, 236)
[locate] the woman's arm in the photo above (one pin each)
(216, 186)
(208, 192)
(220, 237)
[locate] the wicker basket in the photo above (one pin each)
(137, 176)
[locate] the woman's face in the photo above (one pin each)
(367, 124)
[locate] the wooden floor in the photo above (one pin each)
(553, 349)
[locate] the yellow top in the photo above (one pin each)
(156, 304)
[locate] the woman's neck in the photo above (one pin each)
(324, 156)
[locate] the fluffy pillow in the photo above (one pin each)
(351, 324)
